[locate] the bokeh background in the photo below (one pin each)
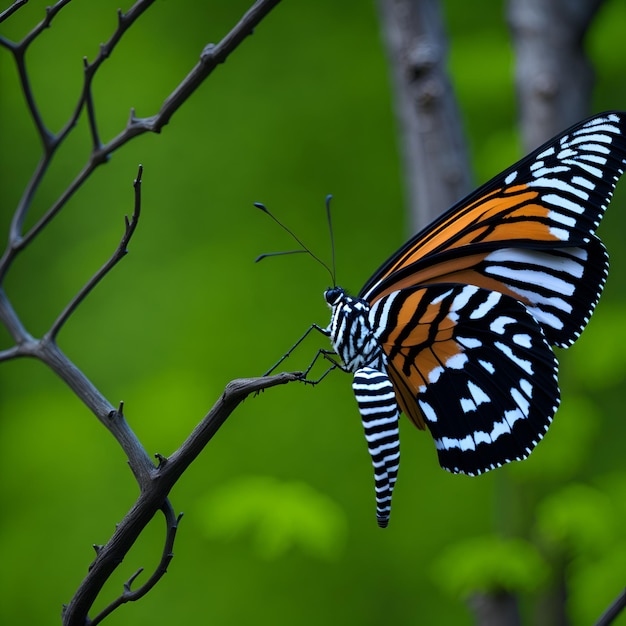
(279, 524)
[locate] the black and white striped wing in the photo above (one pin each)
(473, 366)
(379, 412)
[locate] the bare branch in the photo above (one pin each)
(51, 13)
(128, 595)
(124, 22)
(210, 58)
(18, 4)
(155, 491)
(13, 324)
(618, 605)
(50, 141)
(115, 258)
(19, 51)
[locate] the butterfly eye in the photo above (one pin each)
(333, 295)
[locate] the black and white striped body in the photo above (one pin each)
(355, 342)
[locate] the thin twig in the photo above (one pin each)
(154, 493)
(210, 58)
(19, 52)
(51, 13)
(171, 521)
(124, 22)
(18, 4)
(617, 606)
(115, 258)
(50, 141)
(13, 324)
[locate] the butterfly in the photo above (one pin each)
(456, 329)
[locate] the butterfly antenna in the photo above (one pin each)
(263, 208)
(329, 197)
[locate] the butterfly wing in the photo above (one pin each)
(528, 233)
(473, 366)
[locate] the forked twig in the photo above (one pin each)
(119, 253)
(154, 494)
(172, 521)
(210, 58)
(616, 607)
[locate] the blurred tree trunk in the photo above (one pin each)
(436, 165)
(553, 76)
(496, 609)
(554, 82)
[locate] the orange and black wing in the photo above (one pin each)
(528, 233)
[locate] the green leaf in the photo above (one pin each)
(278, 516)
(490, 564)
(577, 519)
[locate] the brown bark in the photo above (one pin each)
(436, 167)
(553, 75)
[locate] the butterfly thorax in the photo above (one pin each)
(351, 333)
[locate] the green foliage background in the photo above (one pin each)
(279, 523)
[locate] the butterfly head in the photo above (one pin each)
(334, 295)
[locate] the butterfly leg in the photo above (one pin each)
(295, 345)
(329, 356)
(379, 412)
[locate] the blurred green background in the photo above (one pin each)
(279, 523)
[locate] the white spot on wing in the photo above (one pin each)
(492, 299)
(478, 395)
(557, 183)
(457, 361)
(521, 401)
(428, 411)
(563, 203)
(487, 365)
(510, 178)
(467, 405)
(522, 340)
(499, 324)
(506, 350)
(469, 342)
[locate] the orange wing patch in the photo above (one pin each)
(502, 216)
(417, 356)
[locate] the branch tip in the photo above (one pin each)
(131, 580)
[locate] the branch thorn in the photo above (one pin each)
(162, 460)
(131, 580)
(207, 51)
